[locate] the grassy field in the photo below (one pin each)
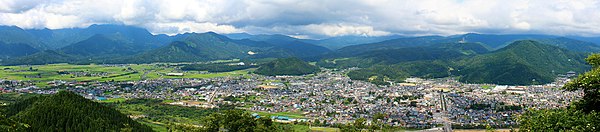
(324, 129)
(113, 100)
(156, 127)
(288, 114)
(132, 72)
(486, 87)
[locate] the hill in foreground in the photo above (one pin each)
(287, 66)
(67, 111)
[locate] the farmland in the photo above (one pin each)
(40, 74)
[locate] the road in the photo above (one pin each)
(442, 116)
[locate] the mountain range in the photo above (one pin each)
(471, 56)
(522, 62)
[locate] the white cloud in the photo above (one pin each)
(15, 6)
(343, 29)
(310, 18)
(182, 27)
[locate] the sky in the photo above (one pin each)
(314, 18)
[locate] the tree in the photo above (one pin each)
(264, 125)
(9, 125)
(212, 122)
(379, 116)
(593, 60)
(582, 115)
(489, 128)
(589, 82)
(238, 121)
(360, 123)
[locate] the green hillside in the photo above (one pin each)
(520, 63)
(13, 34)
(442, 51)
(195, 47)
(41, 58)
(103, 45)
(67, 111)
(286, 66)
(15, 50)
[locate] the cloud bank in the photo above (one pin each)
(314, 18)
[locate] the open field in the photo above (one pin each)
(288, 114)
(324, 129)
(113, 100)
(131, 72)
(156, 127)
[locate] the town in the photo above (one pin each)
(331, 97)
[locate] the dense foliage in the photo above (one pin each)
(41, 58)
(580, 116)
(67, 111)
(123, 44)
(9, 125)
(380, 74)
(104, 45)
(15, 50)
(235, 121)
(533, 62)
(287, 66)
(559, 120)
(194, 47)
(157, 111)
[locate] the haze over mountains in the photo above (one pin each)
(475, 57)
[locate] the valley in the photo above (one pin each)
(327, 96)
(210, 81)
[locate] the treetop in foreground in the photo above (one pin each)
(582, 115)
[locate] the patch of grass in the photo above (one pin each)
(168, 101)
(486, 86)
(288, 114)
(325, 129)
(300, 128)
(155, 127)
(113, 100)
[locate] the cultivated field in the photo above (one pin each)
(128, 72)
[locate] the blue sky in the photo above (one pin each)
(314, 18)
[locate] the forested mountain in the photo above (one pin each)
(41, 58)
(389, 44)
(335, 43)
(571, 44)
(15, 50)
(67, 111)
(13, 34)
(56, 39)
(497, 41)
(44, 39)
(104, 45)
(442, 51)
(285, 46)
(492, 42)
(126, 44)
(286, 66)
(195, 47)
(520, 63)
(478, 58)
